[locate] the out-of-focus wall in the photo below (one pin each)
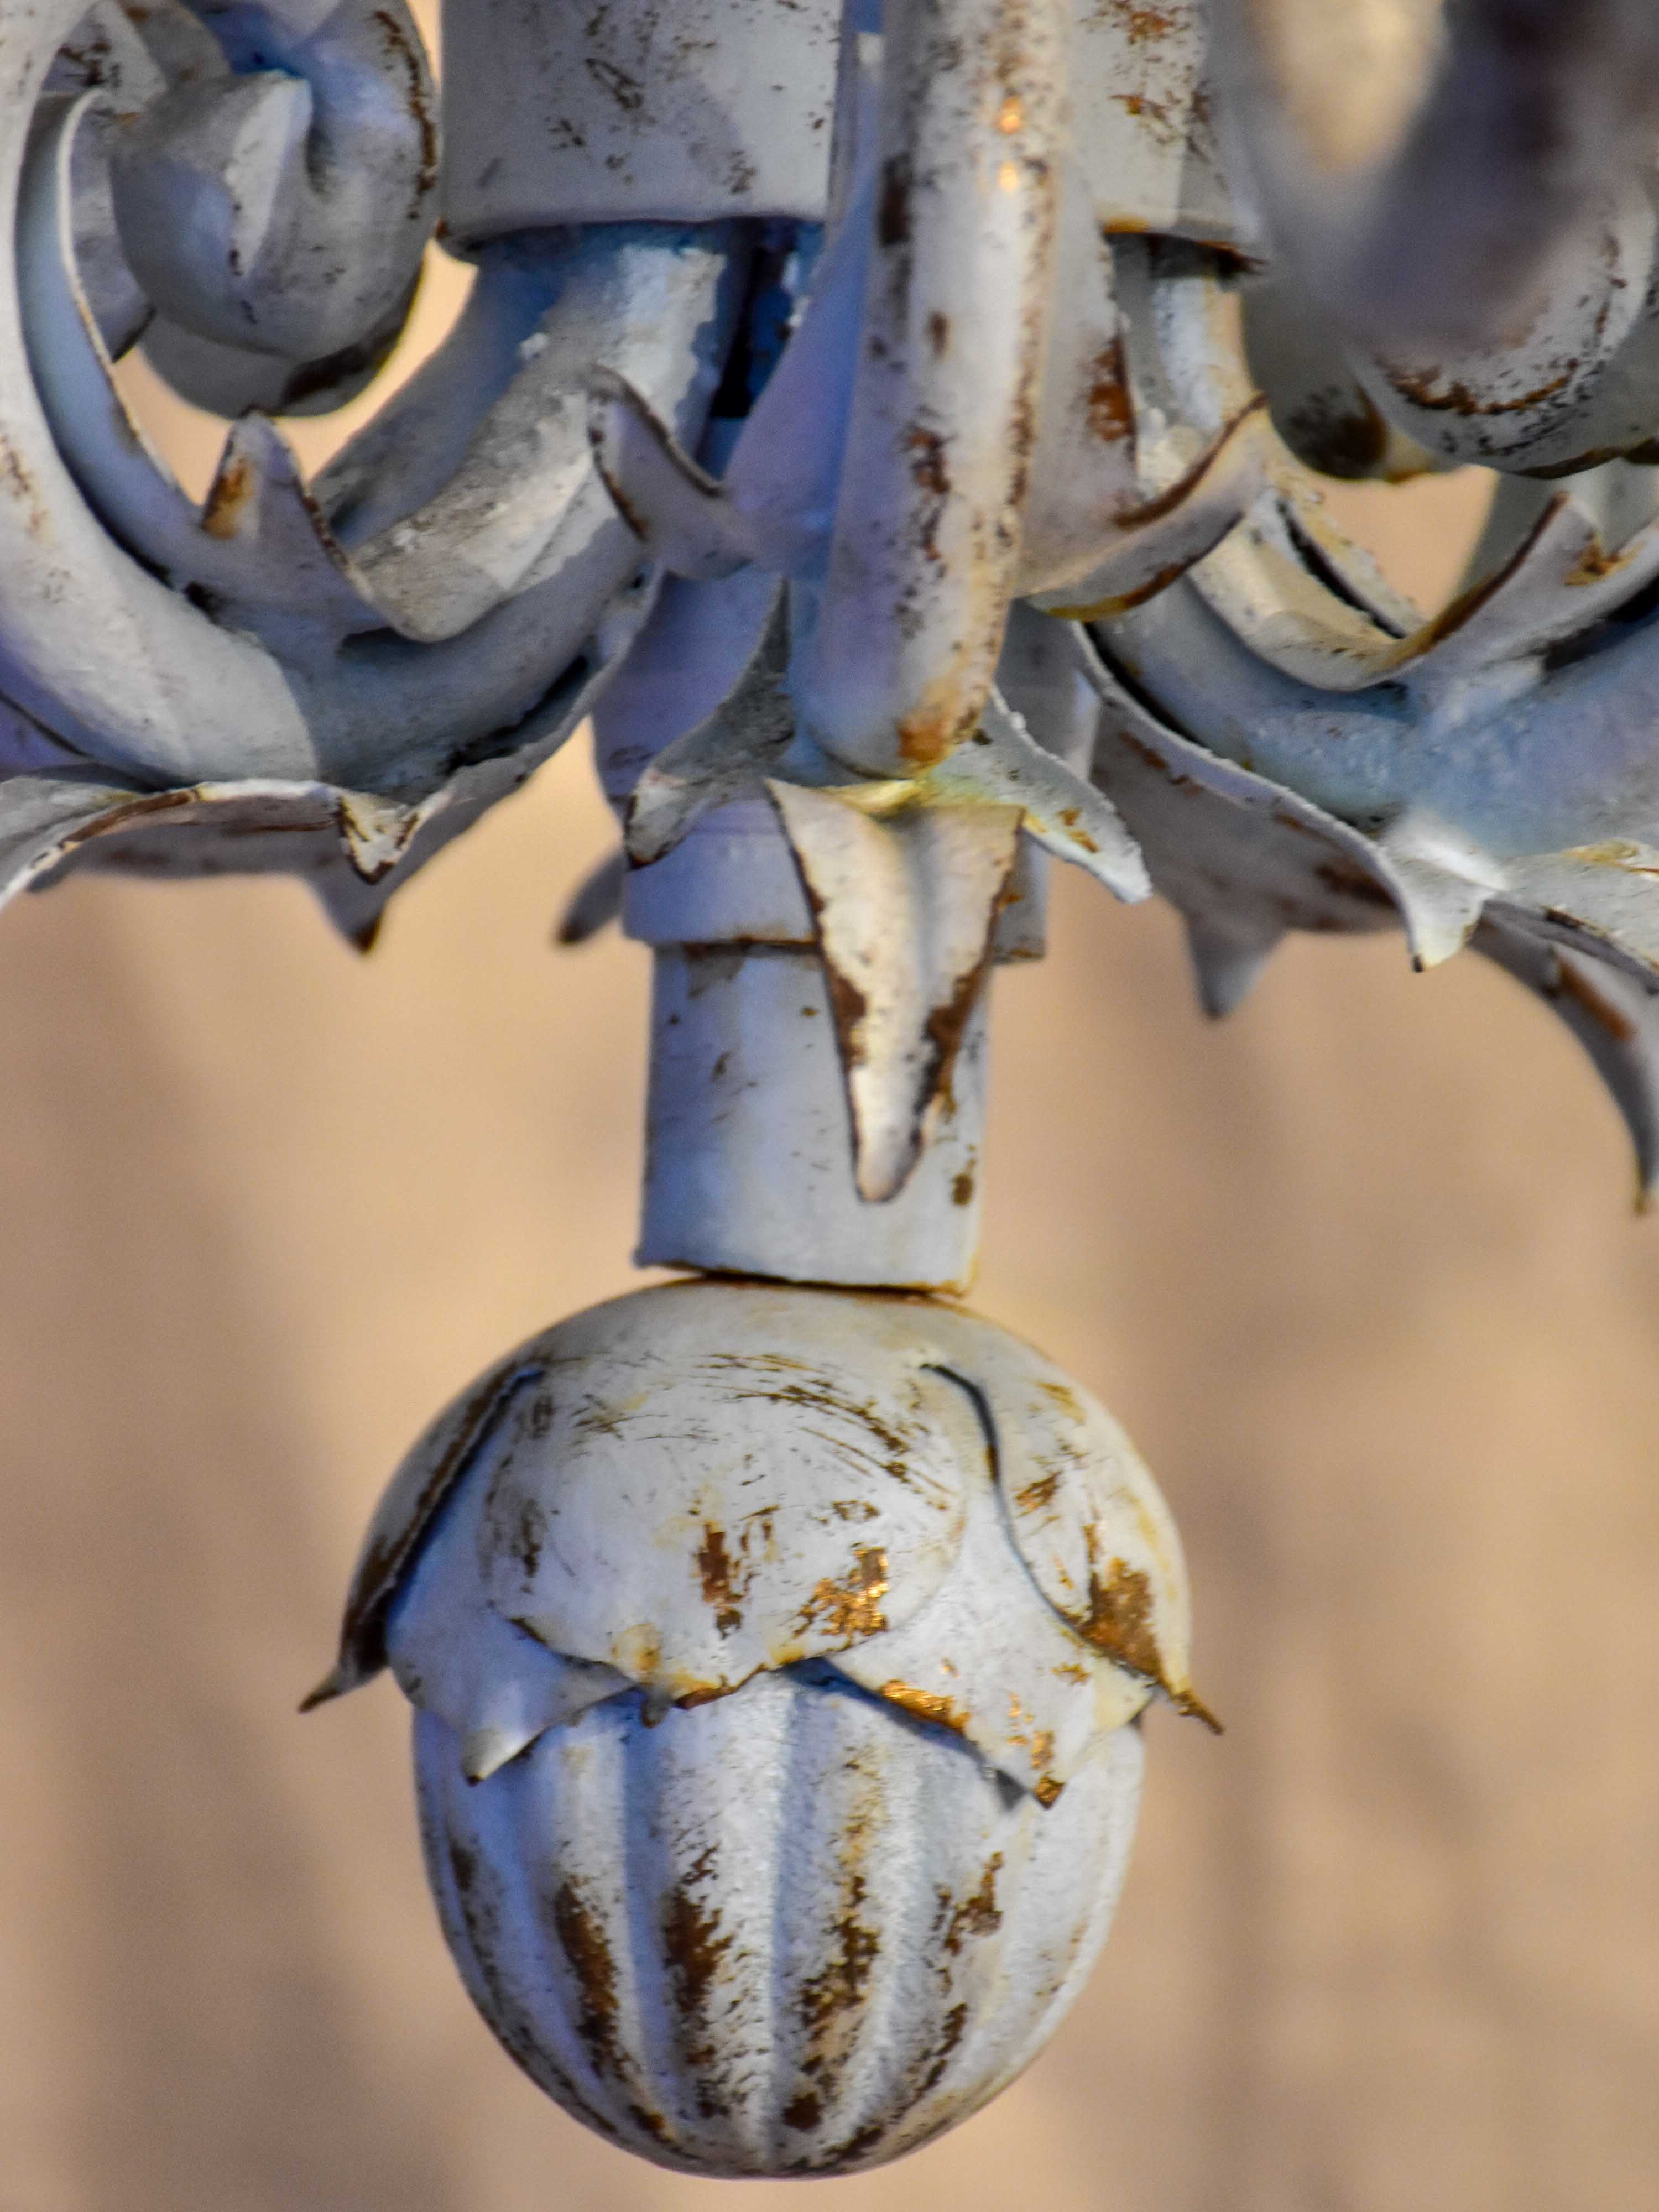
(1358, 1269)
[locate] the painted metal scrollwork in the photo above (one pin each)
(899, 428)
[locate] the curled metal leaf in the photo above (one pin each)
(690, 1485)
(1382, 137)
(1245, 858)
(905, 900)
(399, 645)
(283, 206)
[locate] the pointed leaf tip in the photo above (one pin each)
(680, 513)
(333, 1685)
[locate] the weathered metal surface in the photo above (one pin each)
(1246, 858)
(681, 1410)
(1437, 745)
(1496, 282)
(754, 1154)
(255, 173)
(642, 109)
(1320, 407)
(553, 119)
(458, 575)
(908, 891)
(905, 900)
(1146, 137)
(774, 1651)
(282, 206)
(904, 880)
(1430, 168)
(924, 548)
(415, 662)
(1089, 522)
(750, 1164)
(784, 1935)
(864, 637)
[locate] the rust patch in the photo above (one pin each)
(928, 470)
(977, 1914)
(227, 502)
(1140, 26)
(717, 1571)
(1107, 405)
(1138, 104)
(853, 1609)
(961, 1189)
(1119, 1623)
(931, 1705)
(926, 736)
(839, 1985)
(654, 2123)
(1069, 817)
(938, 334)
(630, 513)
(514, 2026)
(1047, 1791)
(1063, 1395)
(417, 97)
(20, 485)
(1425, 387)
(1582, 993)
(582, 1939)
(831, 2002)
(702, 1693)
(848, 1005)
(118, 818)
(1594, 563)
(1036, 1494)
(1022, 1729)
(893, 212)
(1120, 1616)
(856, 2147)
(696, 1949)
(947, 1023)
(803, 2112)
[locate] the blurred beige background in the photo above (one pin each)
(1359, 1270)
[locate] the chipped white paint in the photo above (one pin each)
(279, 201)
(419, 674)
(774, 1652)
(681, 1933)
(1293, 747)
(825, 374)
(750, 1158)
(639, 110)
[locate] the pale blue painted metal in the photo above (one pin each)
(861, 397)
(774, 1652)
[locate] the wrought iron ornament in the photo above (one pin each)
(898, 428)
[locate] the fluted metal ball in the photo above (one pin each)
(774, 1653)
